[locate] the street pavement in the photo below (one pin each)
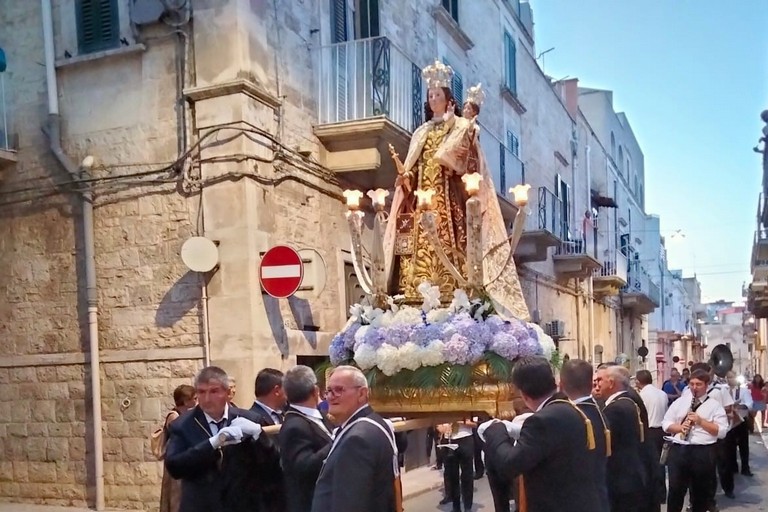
(751, 493)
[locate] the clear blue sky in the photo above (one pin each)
(692, 77)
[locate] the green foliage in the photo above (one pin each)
(556, 360)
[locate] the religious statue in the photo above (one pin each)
(442, 151)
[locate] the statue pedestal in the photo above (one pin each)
(413, 403)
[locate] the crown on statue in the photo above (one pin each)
(476, 95)
(437, 75)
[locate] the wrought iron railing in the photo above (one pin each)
(638, 281)
(368, 78)
(546, 213)
(613, 265)
(6, 139)
(572, 248)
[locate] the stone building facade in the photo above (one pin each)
(243, 122)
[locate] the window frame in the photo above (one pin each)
(101, 43)
(452, 7)
(510, 62)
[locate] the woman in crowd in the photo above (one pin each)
(170, 491)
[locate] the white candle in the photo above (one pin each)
(424, 198)
(472, 182)
(521, 194)
(353, 198)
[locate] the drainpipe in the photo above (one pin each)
(590, 290)
(54, 135)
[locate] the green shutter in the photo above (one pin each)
(369, 18)
(502, 171)
(458, 88)
(510, 64)
(98, 27)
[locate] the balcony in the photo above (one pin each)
(640, 295)
(759, 262)
(757, 299)
(370, 95)
(612, 276)
(8, 143)
(572, 260)
(505, 168)
(544, 228)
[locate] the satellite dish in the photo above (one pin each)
(200, 254)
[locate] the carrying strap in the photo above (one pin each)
(587, 422)
(606, 430)
(640, 424)
(311, 421)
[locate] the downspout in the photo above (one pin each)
(590, 296)
(54, 136)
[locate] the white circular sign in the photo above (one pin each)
(200, 254)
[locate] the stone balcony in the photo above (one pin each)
(572, 260)
(370, 95)
(611, 277)
(8, 142)
(544, 228)
(759, 260)
(640, 295)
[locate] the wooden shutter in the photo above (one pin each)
(339, 21)
(502, 171)
(510, 64)
(457, 86)
(98, 27)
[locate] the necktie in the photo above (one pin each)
(220, 424)
(277, 417)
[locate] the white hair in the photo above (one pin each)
(620, 375)
(358, 377)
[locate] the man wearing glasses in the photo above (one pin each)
(361, 469)
(219, 453)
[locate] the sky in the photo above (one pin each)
(691, 76)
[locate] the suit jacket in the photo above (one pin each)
(358, 475)
(598, 458)
(550, 455)
(265, 418)
(304, 445)
(627, 472)
(230, 479)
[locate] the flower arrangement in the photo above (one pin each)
(435, 346)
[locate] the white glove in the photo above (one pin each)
(249, 428)
(226, 436)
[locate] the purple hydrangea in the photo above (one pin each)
(423, 335)
(349, 335)
(495, 324)
(456, 350)
(396, 335)
(373, 338)
(338, 352)
(505, 344)
(528, 347)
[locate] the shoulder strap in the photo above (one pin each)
(587, 422)
(606, 430)
(309, 420)
(639, 417)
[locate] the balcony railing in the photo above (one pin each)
(638, 281)
(547, 214)
(505, 167)
(614, 265)
(572, 248)
(368, 78)
(6, 138)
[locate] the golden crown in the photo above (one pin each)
(476, 95)
(437, 75)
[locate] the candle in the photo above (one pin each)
(521, 194)
(378, 197)
(353, 199)
(424, 198)
(472, 182)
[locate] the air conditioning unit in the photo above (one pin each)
(556, 329)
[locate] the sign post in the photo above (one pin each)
(281, 271)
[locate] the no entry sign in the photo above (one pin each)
(281, 272)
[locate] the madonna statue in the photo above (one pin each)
(441, 151)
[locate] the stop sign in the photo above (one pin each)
(281, 272)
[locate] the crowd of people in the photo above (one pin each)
(596, 441)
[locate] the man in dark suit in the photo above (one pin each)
(305, 438)
(270, 396)
(576, 382)
(360, 471)
(628, 476)
(219, 453)
(552, 448)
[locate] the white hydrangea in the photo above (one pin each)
(360, 334)
(545, 340)
(370, 314)
(410, 356)
(365, 357)
(384, 320)
(431, 295)
(355, 312)
(407, 315)
(438, 316)
(388, 359)
(432, 354)
(460, 301)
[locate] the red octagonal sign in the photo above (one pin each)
(281, 272)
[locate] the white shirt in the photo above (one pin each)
(710, 410)
(313, 415)
(582, 399)
(717, 391)
(656, 402)
(613, 397)
(273, 414)
(744, 398)
(212, 422)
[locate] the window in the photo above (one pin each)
(613, 146)
(510, 64)
(354, 20)
(452, 6)
(354, 293)
(97, 25)
(457, 85)
(621, 161)
(513, 143)
(563, 191)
